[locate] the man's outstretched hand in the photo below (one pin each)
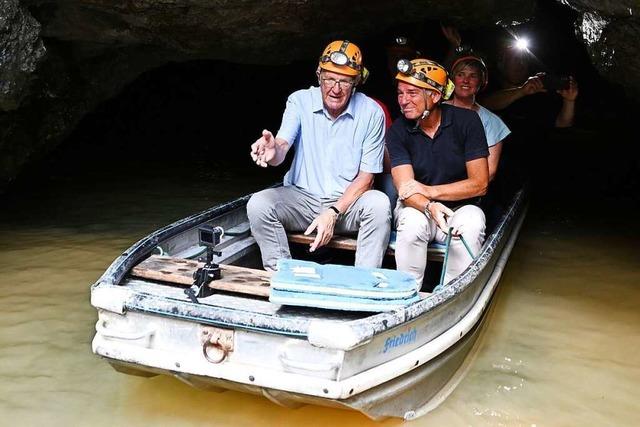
(264, 149)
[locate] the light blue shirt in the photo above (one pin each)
(494, 128)
(330, 153)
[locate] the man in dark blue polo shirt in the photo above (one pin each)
(439, 166)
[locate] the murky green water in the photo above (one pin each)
(562, 346)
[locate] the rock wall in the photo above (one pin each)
(610, 31)
(59, 59)
(21, 49)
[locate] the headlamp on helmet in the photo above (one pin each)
(404, 66)
(338, 58)
(425, 74)
(522, 43)
(342, 57)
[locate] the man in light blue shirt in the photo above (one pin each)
(338, 139)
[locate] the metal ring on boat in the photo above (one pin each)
(217, 345)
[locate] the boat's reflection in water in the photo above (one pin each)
(561, 347)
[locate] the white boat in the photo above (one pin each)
(398, 363)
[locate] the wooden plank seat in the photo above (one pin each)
(234, 279)
(435, 252)
(180, 271)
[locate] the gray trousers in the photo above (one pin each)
(415, 231)
(274, 210)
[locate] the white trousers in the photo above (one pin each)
(416, 231)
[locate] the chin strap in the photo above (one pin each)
(424, 115)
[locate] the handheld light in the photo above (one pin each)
(522, 43)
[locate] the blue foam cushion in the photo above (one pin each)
(335, 302)
(340, 280)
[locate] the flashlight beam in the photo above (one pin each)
(522, 43)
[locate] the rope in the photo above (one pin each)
(464, 242)
(444, 263)
(446, 257)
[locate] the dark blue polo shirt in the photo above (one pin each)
(441, 160)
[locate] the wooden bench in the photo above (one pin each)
(435, 252)
(180, 272)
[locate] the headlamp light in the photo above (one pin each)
(404, 66)
(339, 58)
(400, 40)
(522, 43)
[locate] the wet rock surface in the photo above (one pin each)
(610, 31)
(21, 49)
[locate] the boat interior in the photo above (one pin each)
(244, 275)
(163, 265)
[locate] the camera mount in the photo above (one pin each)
(209, 237)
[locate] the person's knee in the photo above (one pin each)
(261, 205)
(471, 220)
(377, 207)
(413, 225)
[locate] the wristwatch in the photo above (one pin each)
(333, 208)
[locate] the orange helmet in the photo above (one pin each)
(425, 74)
(343, 57)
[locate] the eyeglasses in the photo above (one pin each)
(330, 82)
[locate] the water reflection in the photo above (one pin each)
(561, 348)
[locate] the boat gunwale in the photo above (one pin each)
(363, 329)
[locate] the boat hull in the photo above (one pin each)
(399, 364)
(408, 396)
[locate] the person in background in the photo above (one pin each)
(338, 139)
(399, 47)
(451, 33)
(519, 97)
(439, 166)
(470, 76)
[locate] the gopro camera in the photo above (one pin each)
(209, 235)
